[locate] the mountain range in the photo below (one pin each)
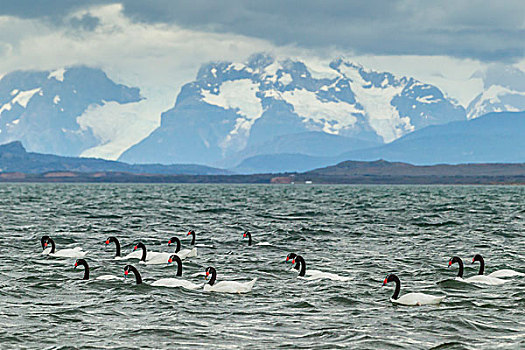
(15, 159)
(43, 109)
(274, 115)
(234, 110)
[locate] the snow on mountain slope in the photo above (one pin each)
(504, 91)
(231, 106)
(42, 108)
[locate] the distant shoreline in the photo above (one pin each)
(303, 178)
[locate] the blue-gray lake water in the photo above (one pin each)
(362, 232)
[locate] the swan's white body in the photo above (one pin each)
(187, 253)
(505, 273)
(76, 252)
(482, 279)
(108, 278)
(175, 283)
(155, 258)
(230, 287)
(137, 254)
(412, 299)
(319, 275)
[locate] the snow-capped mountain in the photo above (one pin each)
(504, 91)
(231, 107)
(43, 108)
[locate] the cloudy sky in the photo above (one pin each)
(159, 45)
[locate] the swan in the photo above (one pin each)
(176, 282)
(192, 233)
(117, 247)
(63, 253)
(410, 299)
(184, 253)
(292, 256)
(300, 265)
(151, 258)
(226, 286)
(86, 271)
(132, 268)
(43, 240)
(247, 234)
(498, 273)
(493, 281)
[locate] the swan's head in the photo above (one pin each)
(46, 242)
(453, 260)
(126, 270)
(389, 278)
(190, 232)
(76, 264)
(139, 245)
(43, 240)
(245, 234)
(477, 257)
(292, 257)
(173, 258)
(209, 271)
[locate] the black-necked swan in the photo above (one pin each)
(117, 245)
(133, 255)
(410, 299)
(45, 250)
(192, 233)
(226, 286)
(176, 282)
(86, 271)
(132, 268)
(184, 253)
(63, 253)
(151, 258)
(247, 234)
(498, 273)
(290, 257)
(300, 265)
(494, 281)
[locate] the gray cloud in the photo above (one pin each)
(489, 31)
(86, 22)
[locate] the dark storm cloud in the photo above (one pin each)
(486, 30)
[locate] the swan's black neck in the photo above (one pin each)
(460, 263)
(143, 247)
(117, 244)
(249, 235)
(135, 272)
(479, 258)
(213, 274)
(43, 241)
(300, 262)
(398, 286)
(176, 240)
(179, 264)
(86, 267)
(192, 233)
(50, 241)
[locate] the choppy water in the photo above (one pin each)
(363, 232)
